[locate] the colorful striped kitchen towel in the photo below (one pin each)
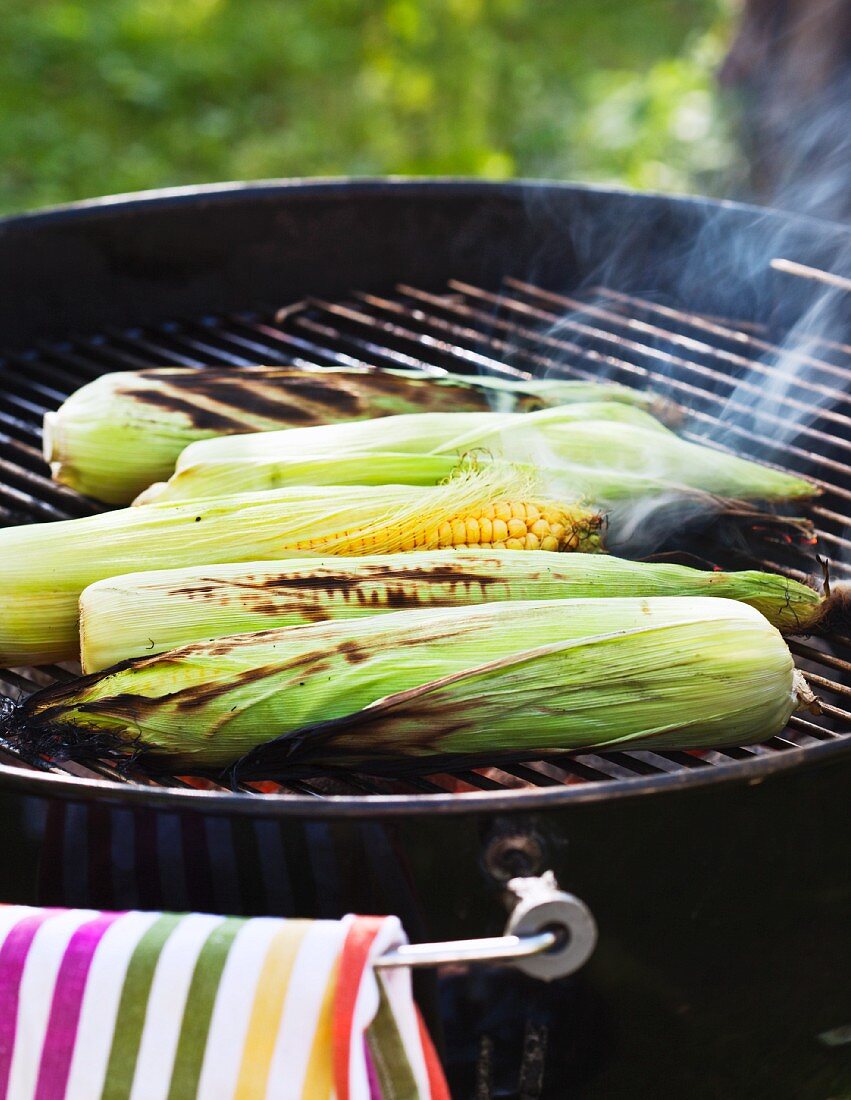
(164, 1006)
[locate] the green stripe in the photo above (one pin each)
(198, 1012)
(132, 1008)
(395, 1075)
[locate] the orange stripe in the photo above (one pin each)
(352, 963)
(266, 1012)
(436, 1081)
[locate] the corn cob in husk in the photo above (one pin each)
(146, 613)
(117, 435)
(45, 567)
(487, 679)
(420, 449)
(601, 453)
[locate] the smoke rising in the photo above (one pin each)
(760, 357)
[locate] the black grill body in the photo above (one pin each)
(719, 885)
(723, 915)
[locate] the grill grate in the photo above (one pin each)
(705, 363)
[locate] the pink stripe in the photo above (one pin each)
(13, 956)
(372, 1076)
(67, 1004)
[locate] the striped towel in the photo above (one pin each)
(163, 1006)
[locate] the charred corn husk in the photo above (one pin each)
(604, 453)
(146, 613)
(120, 433)
(497, 677)
(45, 567)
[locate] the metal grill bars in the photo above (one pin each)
(707, 364)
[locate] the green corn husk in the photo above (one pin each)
(45, 567)
(146, 613)
(408, 450)
(495, 678)
(120, 433)
(605, 454)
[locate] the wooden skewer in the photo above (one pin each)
(790, 267)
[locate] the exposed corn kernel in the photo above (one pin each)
(553, 528)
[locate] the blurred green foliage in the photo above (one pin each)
(105, 96)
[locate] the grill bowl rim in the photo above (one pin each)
(346, 187)
(232, 194)
(752, 772)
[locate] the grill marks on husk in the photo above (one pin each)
(311, 743)
(48, 710)
(233, 401)
(199, 695)
(374, 586)
(231, 407)
(203, 419)
(353, 653)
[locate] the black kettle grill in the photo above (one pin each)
(718, 882)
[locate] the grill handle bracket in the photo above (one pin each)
(550, 934)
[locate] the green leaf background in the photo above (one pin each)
(106, 96)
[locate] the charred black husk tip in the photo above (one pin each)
(40, 739)
(835, 617)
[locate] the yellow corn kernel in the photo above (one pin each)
(554, 528)
(540, 528)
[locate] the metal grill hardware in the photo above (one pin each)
(549, 935)
(708, 365)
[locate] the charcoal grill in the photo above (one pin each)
(717, 879)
